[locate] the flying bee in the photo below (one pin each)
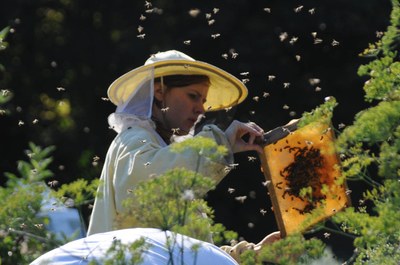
(35, 121)
(141, 36)
(141, 18)
(267, 9)
(293, 40)
(140, 29)
(60, 88)
(265, 94)
(283, 36)
(215, 10)
(245, 73)
(246, 80)
(231, 190)
(317, 41)
(266, 183)
(318, 89)
(211, 21)
(208, 15)
(147, 164)
(187, 42)
(147, 4)
(165, 109)
(256, 98)
(53, 183)
(314, 34)
(298, 9)
(105, 99)
(216, 35)
(234, 55)
(271, 77)
(251, 158)
(20, 123)
(311, 11)
(335, 43)
(194, 12)
(298, 57)
(286, 85)
(263, 212)
(241, 199)
(225, 56)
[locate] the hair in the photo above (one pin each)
(171, 81)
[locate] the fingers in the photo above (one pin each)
(237, 130)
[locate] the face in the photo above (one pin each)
(182, 106)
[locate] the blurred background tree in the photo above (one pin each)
(63, 55)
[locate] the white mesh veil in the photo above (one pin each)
(137, 109)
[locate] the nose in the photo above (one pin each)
(200, 108)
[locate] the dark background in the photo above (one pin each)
(82, 46)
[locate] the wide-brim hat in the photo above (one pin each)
(225, 90)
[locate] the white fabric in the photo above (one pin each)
(94, 247)
(135, 155)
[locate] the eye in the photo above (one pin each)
(193, 96)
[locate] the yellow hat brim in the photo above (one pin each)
(225, 90)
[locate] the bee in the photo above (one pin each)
(298, 57)
(39, 226)
(263, 212)
(318, 89)
(293, 40)
(286, 85)
(314, 34)
(283, 36)
(285, 107)
(208, 15)
(215, 10)
(53, 183)
(256, 98)
(187, 42)
(20, 123)
(165, 109)
(140, 29)
(147, 164)
(298, 9)
(311, 11)
(245, 73)
(265, 94)
(246, 80)
(175, 130)
(271, 77)
(216, 35)
(266, 183)
(241, 199)
(96, 158)
(225, 56)
(35, 121)
(60, 88)
(105, 99)
(267, 9)
(142, 18)
(234, 55)
(141, 36)
(231, 190)
(317, 41)
(147, 4)
(194, 12)
(211, 21)
(251, 158)
(335, 43)
(314, 81)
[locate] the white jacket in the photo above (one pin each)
(137, 153)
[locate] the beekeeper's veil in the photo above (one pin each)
(133, 92)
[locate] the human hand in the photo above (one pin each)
(237, 130)
(269, 239)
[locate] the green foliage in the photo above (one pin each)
(292, 250)
(3, 35)
(78, 193)
(322, 113)
(22, 229)
(371, 151)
